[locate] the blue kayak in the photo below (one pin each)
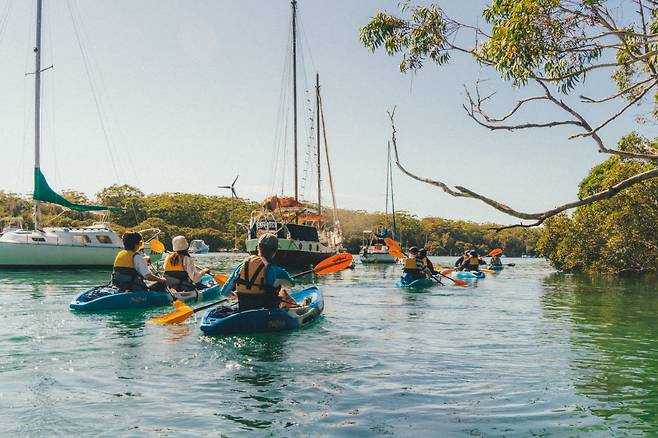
(226, 320)
(421, 282)
(102, 298)
(496, 267)
(469, 274)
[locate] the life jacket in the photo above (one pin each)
(472, 264)
(413, 265)
(124, 274)
(252, 288)
(495, 261)
(175, 273)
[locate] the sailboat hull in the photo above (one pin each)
(25, 255)
(295, 254)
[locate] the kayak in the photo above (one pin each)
(496, 267)
(101, 298)
(226, 319)
(421, 282)
(469, 274)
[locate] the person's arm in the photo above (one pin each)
(281, 277)
(195, 274)
(142, 268)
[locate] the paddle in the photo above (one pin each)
(328, 266)
(158, 247)
(495, 252)
(395, 250)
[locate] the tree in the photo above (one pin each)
(548, 45)
(617, 235)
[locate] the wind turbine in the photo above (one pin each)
(231, 187)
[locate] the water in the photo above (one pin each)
(524, 352)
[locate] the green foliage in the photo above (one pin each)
(616, 235)
(215, 220)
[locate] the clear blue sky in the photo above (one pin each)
(189, 93)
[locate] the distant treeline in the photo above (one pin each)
(217, 219)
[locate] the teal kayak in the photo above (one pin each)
(496, 267)
(421, 282)
(227, 320)
(469, 274)
(102, 298)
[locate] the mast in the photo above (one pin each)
(331, 179)
(390, 172)
(317, 113)
(388, 169)
(294, 85)
(37, 112)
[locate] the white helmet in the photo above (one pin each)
(179, 243)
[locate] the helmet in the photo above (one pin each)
(268, 242)
(472, 253)
(413, 250)
(423, 251)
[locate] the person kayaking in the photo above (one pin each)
(495, 261)
(413, 268)
(258, 283)
(130, 271)
(460, 260)
(422, 255)
(472, 262)
(179, 269)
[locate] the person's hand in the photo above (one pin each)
(205, 271)
(233, 296)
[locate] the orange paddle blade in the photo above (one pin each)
(392, 244)
(220, 279)
(495, 252)
(458, 281)
(447, 271)
(182, 312)
(156, 246)
(333, 264)
(396, 254)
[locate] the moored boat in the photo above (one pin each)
(374, 249)
(102, 298)
(227, 320)
(198, 247)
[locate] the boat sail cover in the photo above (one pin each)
(43, 192)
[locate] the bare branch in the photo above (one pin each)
(540, 217)
(626, 90)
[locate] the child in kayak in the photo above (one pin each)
(130, 270)
(414, 267)
(257, 282)
(180, 272)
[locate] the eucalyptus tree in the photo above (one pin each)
(545, 45)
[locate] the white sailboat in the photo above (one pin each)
(94, 245)
(374, 248)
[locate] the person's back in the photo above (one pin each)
(495, 261)
(252, 286)
(472, 263)
(180, 272)
(413, 266)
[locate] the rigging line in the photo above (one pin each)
(329, 174)
(279, 127)
(26, 96)
(93, 89)
(306, 41)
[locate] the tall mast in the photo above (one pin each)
(388, 169)
(37, 113)
(317, 116)
(390, 172)
(294, 85)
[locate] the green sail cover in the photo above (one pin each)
(43, 192)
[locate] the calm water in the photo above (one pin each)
(525, 352)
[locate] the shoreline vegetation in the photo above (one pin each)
(217, 219)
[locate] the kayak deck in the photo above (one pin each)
(469, 274)
(227, 320)
(102, 298)
(421, 282)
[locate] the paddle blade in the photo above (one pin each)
(333, 264)
(392, 244)
(179, 315)
(396, 254)
(156, 246)
(447, 271)
(489, 271)
(220, 279)
(458, 281)
(495, 252)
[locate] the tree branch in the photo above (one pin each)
(540, 217)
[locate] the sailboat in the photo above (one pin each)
(374, 248)
(94, 245)
(306, 236)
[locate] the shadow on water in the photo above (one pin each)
(613, 333)
(260, 379)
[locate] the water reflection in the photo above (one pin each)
(613, 333)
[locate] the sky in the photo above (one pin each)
(189, 92)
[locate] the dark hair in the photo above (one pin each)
(130, 240)
(179, 254)
(268, 253)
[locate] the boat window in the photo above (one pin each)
(81, 239)
(38, 239)
(103, 239)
